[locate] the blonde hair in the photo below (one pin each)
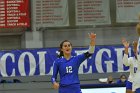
(138, 28)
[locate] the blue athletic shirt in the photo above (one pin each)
(68, 69)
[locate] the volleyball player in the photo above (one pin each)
(67, 66)
(131, 62)
(136, 81)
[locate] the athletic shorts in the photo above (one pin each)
(129, 85)
(74, 88)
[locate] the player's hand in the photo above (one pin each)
(92, 37)
(125, 43)
(55, 85)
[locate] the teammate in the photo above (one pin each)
(131, 62)
(136, 82)
(68, 66)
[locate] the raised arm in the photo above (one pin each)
(91, 49)
(125, 57)
(126, 45)
(92, 37)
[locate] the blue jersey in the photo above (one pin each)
(67, 69)
(120, 82)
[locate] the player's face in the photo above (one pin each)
(123, 78)
(66, 48)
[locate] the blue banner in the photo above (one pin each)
(32, 62)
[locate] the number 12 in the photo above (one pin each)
(69, 69)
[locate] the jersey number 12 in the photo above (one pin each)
(69, 69)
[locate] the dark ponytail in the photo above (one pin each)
(60, 54)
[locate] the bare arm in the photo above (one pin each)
(92, 37)
(125, 57)
(126, 45)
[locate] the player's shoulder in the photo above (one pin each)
(131, 58)
(56, 60)
(83, 54)
(59, 59)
